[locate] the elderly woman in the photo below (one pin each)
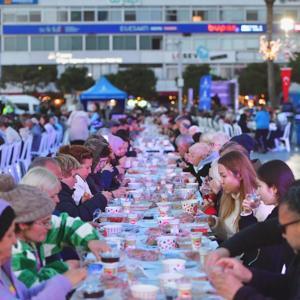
(12, 289)
(40, 234)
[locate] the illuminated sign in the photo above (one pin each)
(8, 2)
(67, 58)
(133, 28)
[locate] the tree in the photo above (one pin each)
(138, 81)
(75, 79)
(29, 76)
(295, 65)
(192, 75)
(253, 79)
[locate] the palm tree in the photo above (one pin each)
(270, 63)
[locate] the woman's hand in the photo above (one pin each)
(212, 259)
(97, 247)
(107, 167)
(226, 285)
(235, 268)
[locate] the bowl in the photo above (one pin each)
(166, 242)
(190, 206)
(113, 209)
(144, 291)
(173, 265)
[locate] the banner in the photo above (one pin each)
(286, 74)
(205, 92)
(8, 2)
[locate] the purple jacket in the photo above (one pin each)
(52, 289)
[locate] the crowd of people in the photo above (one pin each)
(253, 209)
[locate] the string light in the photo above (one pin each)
(269, 50)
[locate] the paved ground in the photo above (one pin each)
(292, 159)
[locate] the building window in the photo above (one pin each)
(152, 14)
(251, 15)
(93, 42)
(171, 15)
(89, 15)
(124, 43)
(42, 43)
(15, 43)
(70, 43)
(103, 15)
(62, 16)
(22, 17)
(76, 16)
(150, 42)
(9, 17)
(199, 15)
(35, 16)
(130, 15)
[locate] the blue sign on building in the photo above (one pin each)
(132, 28)
(8, 2)
(204, 93)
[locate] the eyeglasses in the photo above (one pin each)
(283, 227)
(46, 224)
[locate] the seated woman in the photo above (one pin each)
(84, 156)
(103, 174)
(274, 179)
(85, 210)
(10, 287)
(46, 182)
(238, 179)
(39, 234)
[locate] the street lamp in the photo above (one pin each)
(287, 24)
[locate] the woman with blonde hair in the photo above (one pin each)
(44, 181)
(238, 178)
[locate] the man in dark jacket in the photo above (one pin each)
(241, 283)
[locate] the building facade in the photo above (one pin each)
(109, 35)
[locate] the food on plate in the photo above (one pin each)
(151, 241)
(186, 218)
(143, 255)
(192, 255)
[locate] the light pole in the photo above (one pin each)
(270, 63)
(180, 82)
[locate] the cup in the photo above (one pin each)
(110, 262)
(169, 280)
(203, 252)
(126, 206)
(196, 239)
(144, 291)
(112, 229)
(132, 218)
(163, 209)
(185, 290)
(174, 226)
(163, 221)
(173, 265)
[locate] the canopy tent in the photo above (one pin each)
(103, 90)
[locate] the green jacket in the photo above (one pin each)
(29, 259)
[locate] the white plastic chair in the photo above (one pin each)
(237, 129)
(6, 156)
(43, 147)
(25, 157)
(286, 137)
(15, 160)
(227, 128)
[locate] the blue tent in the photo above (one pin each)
(102, 90)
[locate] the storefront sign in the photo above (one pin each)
(8, 2)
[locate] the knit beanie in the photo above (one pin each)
(29, 203)
(7, 216)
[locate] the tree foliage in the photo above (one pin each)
(31, 75)
(192, 75)
(75, 79)
(253, 79)
(138, 81)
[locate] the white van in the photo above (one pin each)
(22, 103)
